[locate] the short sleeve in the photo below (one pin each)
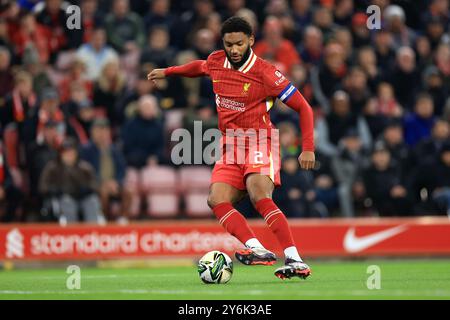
(275, 82)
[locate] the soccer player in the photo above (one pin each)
(246, 87)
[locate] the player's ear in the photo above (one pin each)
(251, 40)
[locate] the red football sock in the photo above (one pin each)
(276, 220)
(233, 222)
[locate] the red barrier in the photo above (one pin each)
(315, 238)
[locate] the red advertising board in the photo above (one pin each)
(315, 238)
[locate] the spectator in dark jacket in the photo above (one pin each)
(440, 183)
(393, 139)
(428, 149)
(109, 165)
(125, 29)
(41, 153)
(68, 185)
(383, 185)
(10, 196)
(296, 196)
(143, 136)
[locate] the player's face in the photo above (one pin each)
(237, 47)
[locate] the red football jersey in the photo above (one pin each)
(245, 96)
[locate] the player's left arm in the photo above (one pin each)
(277, 85)
(297, 102)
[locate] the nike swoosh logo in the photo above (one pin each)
(258, 165)
(354, 244)
(216, 81)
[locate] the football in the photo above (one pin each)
(215, 267)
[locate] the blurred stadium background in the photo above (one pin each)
(382, 119)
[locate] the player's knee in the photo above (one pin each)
(256, 196)
(214, 200)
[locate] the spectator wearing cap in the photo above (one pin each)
(109, 165)
(124, 28)
(274, 47)
(297, 197)
(10, 195)
(69, 186)
(96, 54)
(434, 85)
(395, 19)
(419, 123)
(383, 184)
(143, 135)
(360, 31)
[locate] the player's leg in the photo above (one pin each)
(260, 188)
(221, 199)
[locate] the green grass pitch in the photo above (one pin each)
(400, 279)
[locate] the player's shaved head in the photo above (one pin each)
(237, 36)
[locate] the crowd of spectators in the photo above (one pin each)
(77, 113)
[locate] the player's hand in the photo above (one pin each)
(307, 160)
(156, 74)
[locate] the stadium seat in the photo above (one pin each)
(195, 178)
(132, 183)
(162, 205)
(196, 205)
(159, 179)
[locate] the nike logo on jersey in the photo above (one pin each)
(354, 244)
(215, 81)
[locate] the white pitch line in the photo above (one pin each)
(310, 293)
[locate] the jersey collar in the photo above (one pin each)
(246, 66)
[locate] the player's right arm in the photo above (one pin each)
(196, 68)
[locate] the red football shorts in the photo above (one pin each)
(237, 162)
